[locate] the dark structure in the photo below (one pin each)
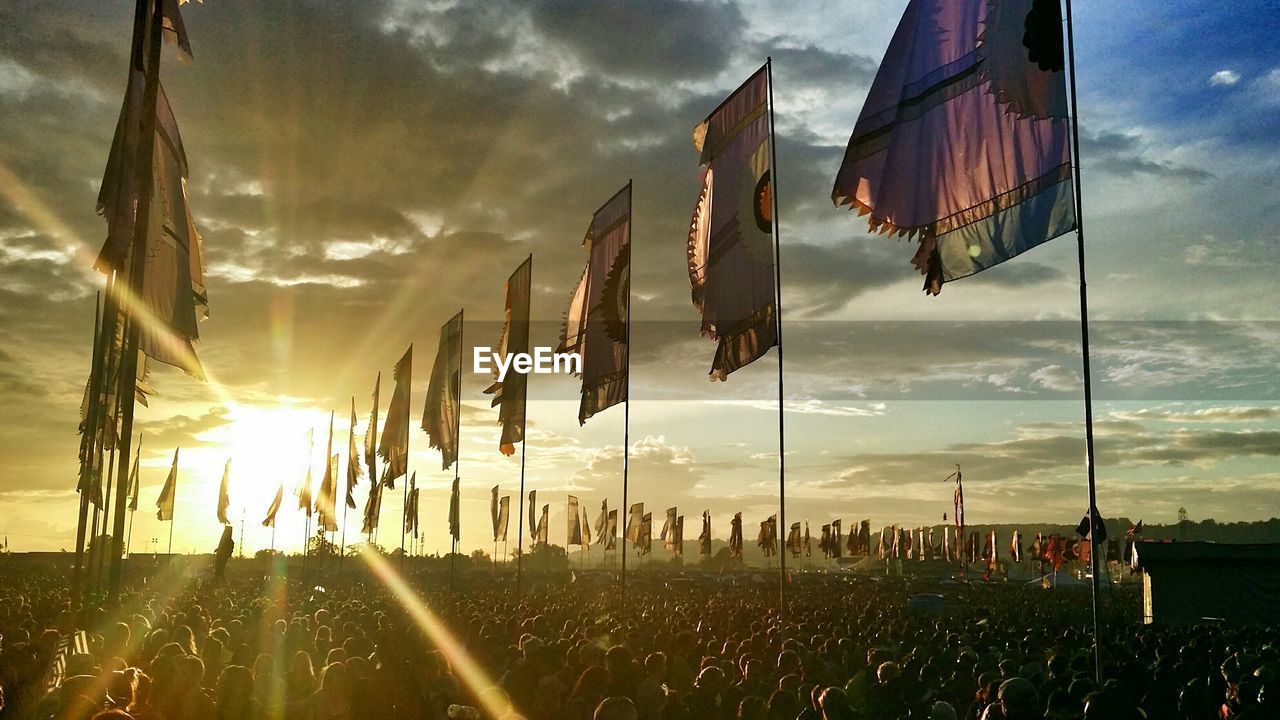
(1191, 582)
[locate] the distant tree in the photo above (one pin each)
(547, 557)
(480, 557)
(319, 545)
(267, 554)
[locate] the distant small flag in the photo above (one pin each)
(164, 503)
(704, 538)
(133, 476)
(634, 522)
(574, 520)
(504, 514)
(270, 519)
(963, 138)
(224, 499)
(354, 469)
(735, 536)
(455, 512)
(731, 244)
(371, 435)
(542, 525)
(533, 517)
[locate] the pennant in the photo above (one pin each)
(597, 321)
(677, 544)
(667, 536)
(133, 476)
(270, 519)
(354, 471)
(603, 520)
(393, 448)
(735, 536)
(327, 498)
(441, 414)
(542, 526)
(574, 536)
(493, 511)
(509, 394)
(611, 531)
(224, 500)
(533, 523)
(164, 503)
(372, 507)
(504, 513)
(633, 524)
(644, 540)
(731, 244)
(304, 492)
(963, 138)
(704, 538)
(371, 436)
(455, 517)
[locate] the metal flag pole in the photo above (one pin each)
(777, 282)
(141, 231)
(129, 541)
(626, 416)
(1094, 518)
(455, 523)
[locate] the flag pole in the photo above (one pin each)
(106, 510)
(408, 383)
(520, 499)
(1084, 354)
(141, 231)
(455, 523)
(129, 542)
(777, 281)
(626, 416)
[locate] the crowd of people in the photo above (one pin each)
(270, 646)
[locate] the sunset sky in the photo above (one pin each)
(360, 171)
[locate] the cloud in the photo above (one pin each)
(1224, 78)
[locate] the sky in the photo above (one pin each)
(360, 171)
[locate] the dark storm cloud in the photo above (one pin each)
(662, 41)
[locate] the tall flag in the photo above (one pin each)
(602, 522)
(353, 461)
(735, 536)
(533, 517)
(586, 530)
(455, 510)
(644, 539)
(704, 538)
(667, 536)
(596, 323)
(327, 497)
(509, 393)
(224, 499)
(371, 437)
(270, 519)
(393, 448)
(835, 538)
(633, 523)
(963, 138)
(730, 252)
(541, 538)
(957, 501)
(493, 511)
(164, 503)
(808, 542)
(677, 545)
(133, 477)
(172, 297)
(794, 543)
(824, 542)
(304, 492)
(768, 537)
(611, 531)
(574, 520)
(1015, 547)
(441, 413)
(372, 507)
(411, 516)
(504, 515)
